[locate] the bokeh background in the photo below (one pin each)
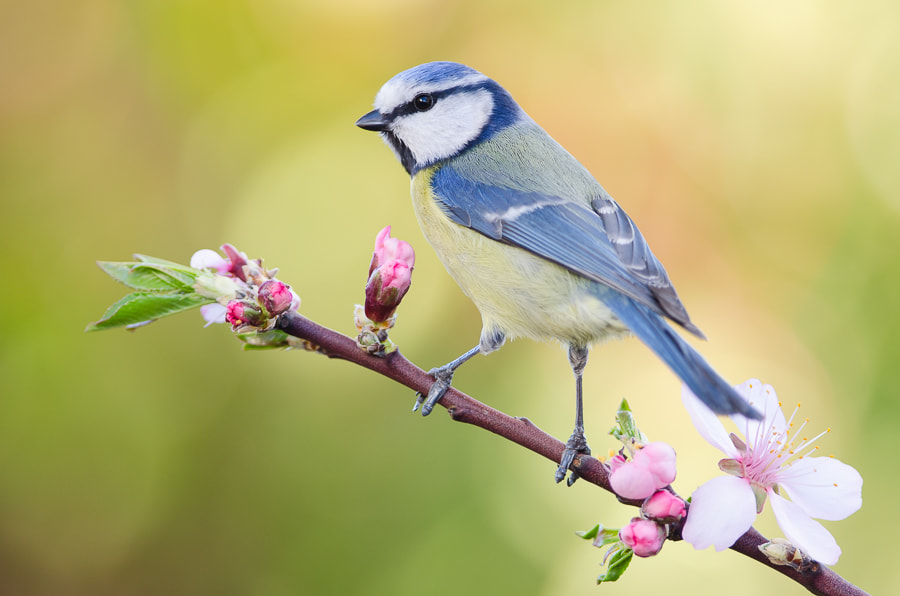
(756, 144)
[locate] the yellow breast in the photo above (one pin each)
(515, 291)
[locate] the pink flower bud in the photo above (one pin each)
(663, 506)
(651, 468)
(237, 260)
(389, 276)
(243, 312)
(391, 249)
(386, 288)
(275, 296)
(643, 536)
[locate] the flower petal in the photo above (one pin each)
(213, 313)
(803, 531)
(632, 481)
(707, 423)
(721, 511)
(824, 487)
(659, 459)
(207, 259)
(764, 399)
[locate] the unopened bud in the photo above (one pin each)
(663, 506)
(781, 552)
(244, 312)
(237, 260)
(387, 286)
(643, 536)
(275, 296)
(389, 249)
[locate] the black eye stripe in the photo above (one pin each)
(410, 107)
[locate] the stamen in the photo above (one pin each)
(776, 447)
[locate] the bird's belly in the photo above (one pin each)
(515, 291)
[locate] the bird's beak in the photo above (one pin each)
(373, 121)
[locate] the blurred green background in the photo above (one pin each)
(756, 144)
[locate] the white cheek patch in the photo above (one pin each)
(442, 131)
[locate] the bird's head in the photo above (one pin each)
(436, 110)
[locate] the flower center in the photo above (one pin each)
(776, 447)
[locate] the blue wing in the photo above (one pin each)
(588, 235)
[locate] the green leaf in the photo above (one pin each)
(175, 268)
(600, 535)
(145, 307)
(590, 534)
(163, 262)
(618, 563)
(151, 277)
(626, 428)
(606, 536)
(265, 340)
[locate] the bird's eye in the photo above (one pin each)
(423, 102)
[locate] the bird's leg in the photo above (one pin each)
(443, 376)
(577, 444)
(491, 339)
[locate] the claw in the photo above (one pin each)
(443, 377)
(576, 445)
(567, 458)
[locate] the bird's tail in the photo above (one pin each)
(684, 360)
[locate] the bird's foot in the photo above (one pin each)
(575, 446)
(443, 376)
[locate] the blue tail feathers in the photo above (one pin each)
(689, 365)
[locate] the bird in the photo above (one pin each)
(530, 236)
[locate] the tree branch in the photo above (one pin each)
(818, 579)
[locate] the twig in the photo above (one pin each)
(463, 408)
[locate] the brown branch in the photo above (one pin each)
(818, 579)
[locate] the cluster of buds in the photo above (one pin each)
(646, 534)
(642, 470)
(390, 273)
(650, 469)
(247, 295)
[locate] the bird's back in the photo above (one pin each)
(516, 291)
(556, 226)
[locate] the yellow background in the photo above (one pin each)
(755, 144)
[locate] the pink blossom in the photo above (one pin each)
(771, 460)
(643, 536)
(652, 467)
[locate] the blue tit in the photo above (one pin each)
(529, 235)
